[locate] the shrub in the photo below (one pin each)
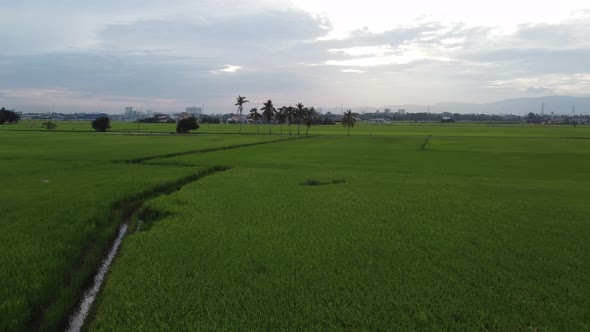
(186, 125)
(49, 125)
(101, 124)
(312, 182)
(7, 116)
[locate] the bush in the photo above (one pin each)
(49, 125)
(186, 125)
(312, 182)
(101, 124)
(8, 116)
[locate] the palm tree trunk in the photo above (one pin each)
(307, 131)
(298, 125)
(240, 121)
(289, 128)
(348, 134)
(269, 129)
(281, 125)
(256, 123)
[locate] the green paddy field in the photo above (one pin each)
(401, 227)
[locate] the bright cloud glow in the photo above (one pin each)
(379, 15)
(369, 50)
(230, 69)
(352, 71)
(559, 84)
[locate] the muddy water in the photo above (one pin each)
(77, 319)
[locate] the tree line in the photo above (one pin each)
(290, 115)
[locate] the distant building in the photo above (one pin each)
(401, 111)
(129, 110)
(560, 120)
(379, 120)
(193, 110)
(164, 118)
(236, 119)
(447, 119)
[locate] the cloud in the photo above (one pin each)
(538, 90)
(188, 53)
(229, 69)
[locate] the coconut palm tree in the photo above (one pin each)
(256, 116)
(290, 116)
(282, 117)
(310, 118)
(348, 120)
(299, 115)
(240, 103)
(268, 112)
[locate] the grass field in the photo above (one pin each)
(464, 129)
(62, 196)
(454, 232)
(467, 233)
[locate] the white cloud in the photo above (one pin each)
(196, 52)
(352, 71)
(230, 69)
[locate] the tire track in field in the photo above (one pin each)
(423, 147)
(229, 147)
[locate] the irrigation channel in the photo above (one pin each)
(78, 318)
(130, 207)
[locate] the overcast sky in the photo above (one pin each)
(71, 55)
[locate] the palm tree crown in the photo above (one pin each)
(254, 114)
(282, 115)
(299, 115)
(348, 120)
(310, 118)
(268, 112)
(240, 103)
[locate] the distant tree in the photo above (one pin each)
(348, 120)
(531, 116)
(209, 119)
(101, 124)
(298, 115)
(240, 103)
(290, 116)
(8, 116)
(310, 118)
(49, 125)
(255, 116)
(185, 125)
(326, 120)
(282, 117)
(268, 112)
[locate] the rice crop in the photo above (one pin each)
(463, 234)
(62, 200)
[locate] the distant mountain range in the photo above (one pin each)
(518, 106)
